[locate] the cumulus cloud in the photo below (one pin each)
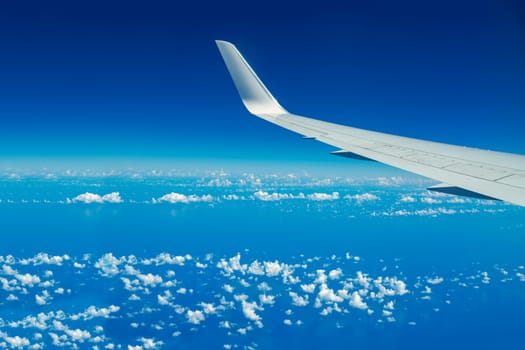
(265, 196)
(249, 308)
(45, 259)
(327, 294)
(15, 342)
(407, 199)
(391, 181)
(43, 299)
(433, 212)
(108, 265)
(308, 288)
(151, 343)
(430, 200)
(195, 317)
(273, 268)
(94, 312)
(275, 196)
(357, 302)
(232, 265)
(323, 196)
(435, 280)
(174, 197)
(364, 197)
(298, 300)
(208, 308)
(267, 299)
(88, 197)
(335, 274)
(323, 290)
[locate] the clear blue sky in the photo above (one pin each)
(143, 79)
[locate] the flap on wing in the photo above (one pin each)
(455, 190)
(348, 154)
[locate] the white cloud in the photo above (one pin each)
(45, 259)
(88, 197)
(78, 334)
(436, 280)
(267, 299)
(195, 317)
(297, 300)
(108, 265)
(323, 289)
(231, 265)
(43, 299)
(363, 279)
(248, 308)
(208, 308)
(28, 279)
(335, 274)
(78, 265)
(391, 181)
(434, 212)
(166, 258)
(321, 276)
(265, 196)
(327, 294)
(15, 342)
(162, 299)
(272, 268)
(308, 288)
(232, 197)
(228, 288)
(149, 279)
(407, 199)
(389, 305)
(323, 196)
(357, 302)
(93, 312)
(264, 287)
(174, 197)
(430, 200)
(399, 286)
(256, 268)
(364, 197)
(219, 182)
(151, 343)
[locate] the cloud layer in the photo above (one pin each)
(166, 297)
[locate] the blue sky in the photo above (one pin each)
(144, 81)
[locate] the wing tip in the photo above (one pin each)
(220, 42)
(254, 94)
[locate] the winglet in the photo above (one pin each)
(255, 96)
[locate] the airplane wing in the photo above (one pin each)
(460, 170)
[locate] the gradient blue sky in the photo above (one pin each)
(143, 80)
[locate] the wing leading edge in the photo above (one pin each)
(461, 170)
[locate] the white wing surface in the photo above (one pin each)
(460, 170)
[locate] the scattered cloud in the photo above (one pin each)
(407, 199)
(265, 196)
(364, 197)
(174, 197)
(195, 317)
(323, 196)
(88, 197)
(233, 293)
